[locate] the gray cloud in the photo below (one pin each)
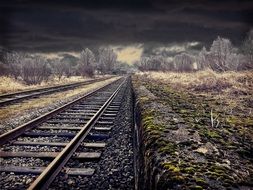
(62, 26)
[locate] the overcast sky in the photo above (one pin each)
(131, 27)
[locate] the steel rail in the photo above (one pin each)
(53, 169)
(43, 91)
(4, 138)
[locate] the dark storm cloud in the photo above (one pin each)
(71, 25)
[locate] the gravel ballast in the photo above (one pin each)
(27, 115)
(115, 169)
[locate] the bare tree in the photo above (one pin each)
(87, 63)
(169, 66)
(143, 65)
(156, 63)
(58, 68)
(107, 60)
(68, 69)
(202, 59)
(34, 70)
(247, 50)
(14, 61)
(3, 69)
(184, 62)
(220, 53)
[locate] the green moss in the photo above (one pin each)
(178, 178)
(235, 121)
(183, 111)
(215, 175)
(168, 148)
(196, 187)
(171, 167)
(190, 170)
(200, 181)
(143, 99)
(212, 134)
(217, 169)
(161, 142)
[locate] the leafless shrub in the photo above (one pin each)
(62, 68)
(4, 69)
(14, 61)
(202, 59)
(169, 66)
(247, 50)
(221, 56)
(86, 65)
(153, 63)
(106, 60)
(35, 70)
(184, 62)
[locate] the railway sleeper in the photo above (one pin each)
(73, 128)
(50, 155)
(81, 111)
(71, 117)
(109, 114)
(68, 135)
(39, 170)
(84, 109)
(106, 118)
(58, 121)
(58, 144)
(112, 106)
(79, 114)
(77, 122)
(88, 106)
(111, 111)
(105, 122)
(92, 103)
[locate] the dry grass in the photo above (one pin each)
(208, 81)
(17, 109)
(232, 89)
(8, 84)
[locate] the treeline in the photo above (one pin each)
(222, 56)
(35, 69)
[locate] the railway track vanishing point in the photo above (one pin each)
(83, 122)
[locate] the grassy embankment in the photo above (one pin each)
(197, 129)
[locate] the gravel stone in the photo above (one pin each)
(115, 168)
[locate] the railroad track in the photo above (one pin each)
(10, 98)
(75, 131)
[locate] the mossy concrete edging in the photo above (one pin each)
(176, 148)
(148, 169)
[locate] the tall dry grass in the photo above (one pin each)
(208, 81)
(232, 90)
(8, 84)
